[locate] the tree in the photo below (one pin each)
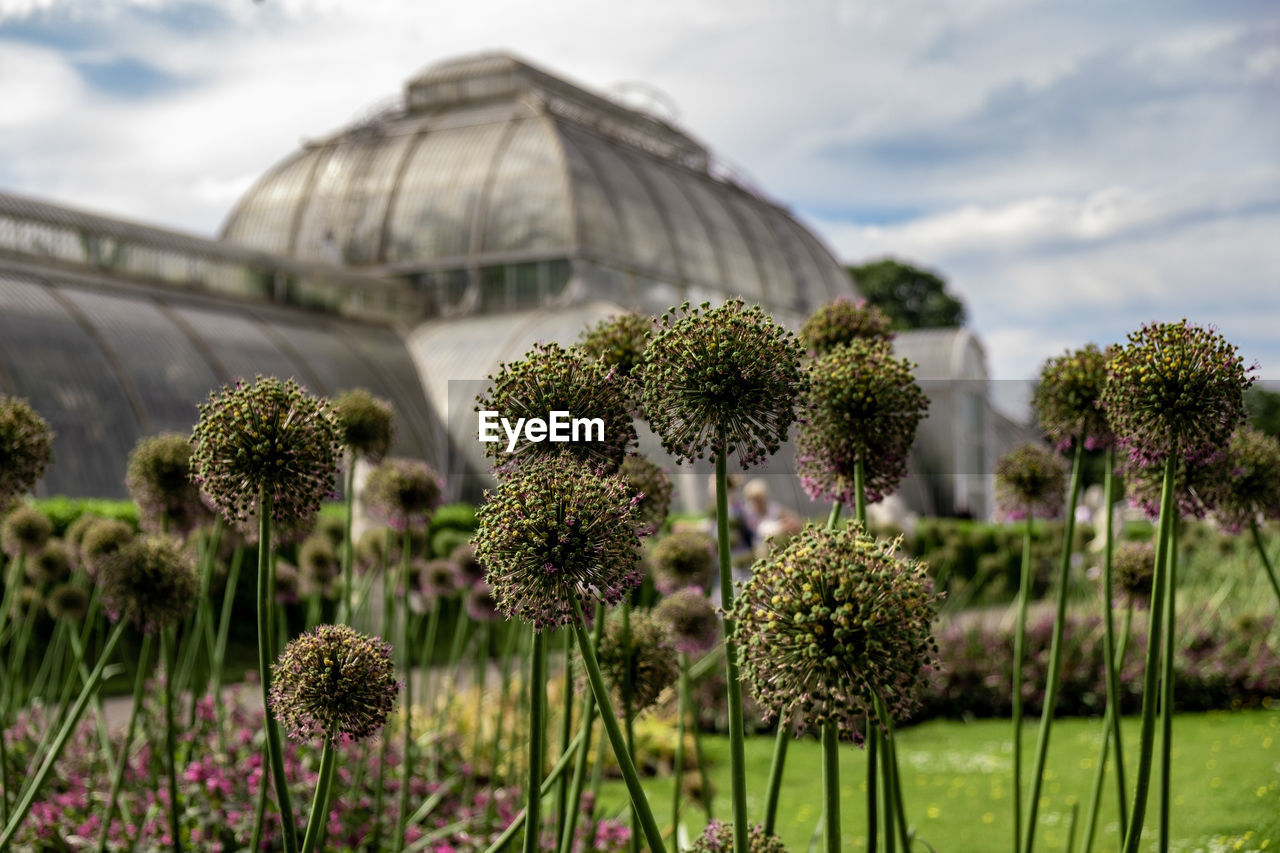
(1263, 407)
(913, 298)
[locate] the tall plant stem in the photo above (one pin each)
(537, 738)
(1054, 677)
(1113, 710)
(570, 826)
(1111, 659)
(406, 743)
(1166, 683)
(1019, 655)
(895, 815)
(682, 711)
(320, 804)
(220, 643)
(831, 788)
(873, 800)
(628, 711)
(266, 604)
(168, 652)
(28, 798)
(737, 733)
(566, 728)
(638, 799)
(1150, 678)
(388, 588)
(1266, 561)
(348, 547)
(552, 777)
(122, 760)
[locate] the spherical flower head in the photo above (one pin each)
(685, 558)
(74, 535)
(1030, 477)
(68, 601)
(364, 424)
(101, 541)
(159, 480)
(550, 379)
(640, 670)
(1067, 400)
(718, 838)
(555, 533)
(403, 492)
(652, 485)
(439, 578)
(721, 380)
(1132, 568)
(25, 530)
(288, 583)
(318, 561)
(50, 565)
(333, 682)
(267, 439)
(618, 342)
(832, 621)
(691, 619)
(1249, 484)
(26, 447)
(149, 582)
(331, 527)
(842, 322)
(464, 557)
(1175, 388)
(482, 606)
(862, 403)
(371, 552)
(1196, 488)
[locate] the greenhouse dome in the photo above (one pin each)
(497, 186)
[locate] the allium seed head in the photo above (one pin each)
(149, 582)
(333, 682)
(1031, 477)
(266, 439)
(691, 619)
(288, 583)
(101, 541)
(1132, 568)
(403, 492)
(364, 424)
(25, 530)
(554, 533)
(841, 322)
(551, 378)
(1067, 398)
(1196, 488)
(685, 558)
(653, 486)
(464, 557)
(617, 344)
(647, 665)
(318, 562)
(51, 564)
(481, 604)
(721, 380)
(831, 621)
(68, 601)
(718, 838)
(861, 403)
(26, 448)
(1174, 388)
(438, 578)
(1249, 484)
(159, 480)
(74, 536)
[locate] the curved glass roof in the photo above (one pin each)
(489, 161)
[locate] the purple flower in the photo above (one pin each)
(1067, 398)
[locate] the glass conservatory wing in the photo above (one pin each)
(528, 208)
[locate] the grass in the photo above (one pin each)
(1226, 783)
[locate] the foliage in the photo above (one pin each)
(914, 298)
(1263, 408)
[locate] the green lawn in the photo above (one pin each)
(1226, 783)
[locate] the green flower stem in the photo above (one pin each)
(638, 799)
(388, 589)
(266, 605)
(480, 678)
(28, 798)
(1111, 658)
(1054, 678)
(537, 737)
(566, 728)
(220, 644)
(347, 614)
(873, 802)
(576, 747)
(168, 652)
(260, 808)
(682, 711)
(122, 760)
(1095, 797)
(783, 739)
(737, 733)
(1019, 655)
(896, 815)
(703, 777)
(628, 712)
(1166, 684)
(570, 826)
(504, 698)
(1266, 561)
(1150, 678)
(320, 805)
(100, 714)
(406, 743)
(831, 789)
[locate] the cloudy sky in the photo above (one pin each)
(1073, 170)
